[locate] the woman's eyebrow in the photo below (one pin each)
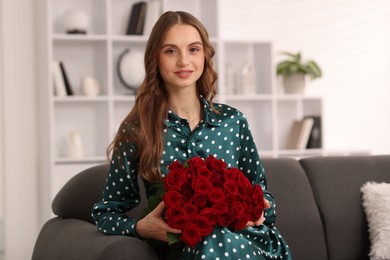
(174, 45)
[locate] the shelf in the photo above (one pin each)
(79, 98)
(91, 159)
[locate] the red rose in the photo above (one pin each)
(191, 235)
(190, 209)
(175, 165)
(172, 198)
(203, 224)
(196, 163)
(257, 212)
(187, 193)
(199, 200)
(175, 179)
(238, 224)
(231, 174)
(210, 214)
(214, 164)
(220, 207)
(231, 187)
(257, 194)
(204, 172)
(174, 212)
(217, 180)
(179, 222)
(216, 195)
(226, 218)
(201, 185)
(244, 184)
(238, 209)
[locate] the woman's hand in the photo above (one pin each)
(261, 219)
(153, 226)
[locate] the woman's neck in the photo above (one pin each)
(187, 106)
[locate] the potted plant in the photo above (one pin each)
(294, 71)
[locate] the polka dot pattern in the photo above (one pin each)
(225, 135)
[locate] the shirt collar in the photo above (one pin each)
(209, 116)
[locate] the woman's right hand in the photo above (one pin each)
(153, 226)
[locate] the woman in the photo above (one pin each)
(174, 118)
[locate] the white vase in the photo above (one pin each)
(248, 79)
(294, 83)
(90, 86)
(75, 147)
(75, 21)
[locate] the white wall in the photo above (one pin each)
(350, 39)
(17, 19)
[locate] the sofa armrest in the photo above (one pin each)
(62, 239)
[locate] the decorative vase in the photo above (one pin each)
(248, 79)
(230, 80)
(130, 69)
(294, 83)
(90, 86)
(75, 147)
(75, 22)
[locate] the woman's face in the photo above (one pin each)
(181, 58)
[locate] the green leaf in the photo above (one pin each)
(173, 238)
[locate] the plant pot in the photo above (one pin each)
(294, 83)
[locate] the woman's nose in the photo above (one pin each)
(183, 59)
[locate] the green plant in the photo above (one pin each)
(295, 64)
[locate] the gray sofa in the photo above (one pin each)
(318, 199)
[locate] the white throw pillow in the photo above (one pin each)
(376, 204)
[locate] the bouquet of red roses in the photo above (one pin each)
(203, 193)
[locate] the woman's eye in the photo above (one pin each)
(194, 49)
(169, 51)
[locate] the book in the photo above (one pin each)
(137, 19)
(307, 125)
(315, 139)
(292, 142)
(58, 80)
(68, 87)
(300, 133)
(153, 12)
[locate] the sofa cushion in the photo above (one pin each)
(336, 182)
(376, 205)
(64, 239)
(297, 216)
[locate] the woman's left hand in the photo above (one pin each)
(260, 221)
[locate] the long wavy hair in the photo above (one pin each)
(143, 126)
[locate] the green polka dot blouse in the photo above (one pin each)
(224, 135)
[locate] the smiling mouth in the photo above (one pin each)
(183, 73)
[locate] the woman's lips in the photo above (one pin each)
(183, 73)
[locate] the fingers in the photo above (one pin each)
(157, 212)
(267, 205)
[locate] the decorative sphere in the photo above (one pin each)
(131, 68)
(75, 21)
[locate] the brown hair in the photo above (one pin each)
(151, 104)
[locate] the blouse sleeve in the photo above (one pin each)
(250, 164)
(120, 195)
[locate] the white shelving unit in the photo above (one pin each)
(97, 118)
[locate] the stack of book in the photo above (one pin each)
(305, 133)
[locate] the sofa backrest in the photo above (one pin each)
(336, 182)
(297, 216)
